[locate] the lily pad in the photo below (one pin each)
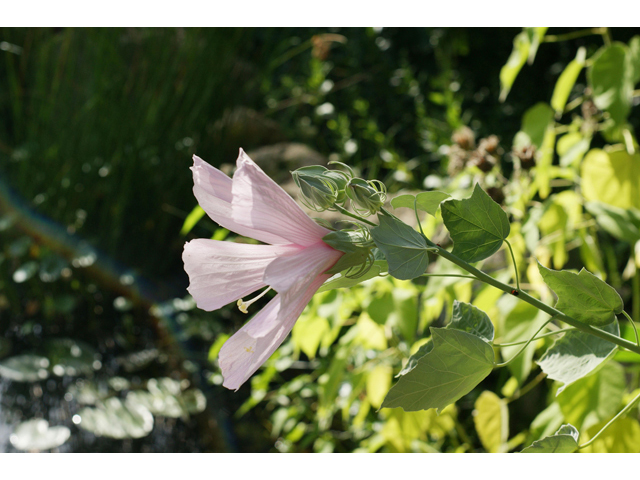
(37, 435)
(117, 419)
(25, 368)
(71, 357)
(165, 397)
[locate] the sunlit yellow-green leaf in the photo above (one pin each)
(525, 46)
(612, 176)
(378, 384)
(426, 201)
(491, 418)
(308, 332)
(567, 80)
(622, 436)
(192, 219)
(594, 398)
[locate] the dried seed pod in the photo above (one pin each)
(465, 138)
(527, 156)
(497, 194)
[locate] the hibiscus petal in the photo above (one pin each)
(287, 271)
(222, 272)
(260, 203)
(212, 189)
(244, 353)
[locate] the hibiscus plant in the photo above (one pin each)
(439, 296)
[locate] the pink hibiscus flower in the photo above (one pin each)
(293, 264)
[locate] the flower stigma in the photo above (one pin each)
(243, 306)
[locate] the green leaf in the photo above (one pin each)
(572, 147)
(192, 219)
(622, 224)
(535, 123)
(491, 418)
(633, 59)
(611, 82)
(565, 440)
(525, 46)
(583, 296)
(470, 319)
(71, 357)
(612, 176)
(426, 201)
(165, 397)
(594, 398)
(521, 322)
(458, 362)
(577, 354)
(405, 249)
(566, 81)
(413, 359)
(477, 225)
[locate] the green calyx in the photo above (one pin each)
(367, 196)
(358, 252)
(320, 187)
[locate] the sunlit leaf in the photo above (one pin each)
(535, 123)
(491, 418)
(426, 201)
(477, 225)
(594, 398)
(117, 419)
(37, 435)
(572, 147)
(633, 59)
(378, 384)
(470, 319)
(192, 219)
(565, 440)
(624, 224)
(457, 363)
(583, 296)
(525, 46)
(25, 368)
(612, 176)
(611, 82)
(577, 354)
(622, 436)
(567, 80)
(404, 248)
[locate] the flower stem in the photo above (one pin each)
(515, 266)
(480, 275)
(571, 35)
(544, 335)
(353, 215)
(633, 325)
(504, 364)
(620, 413)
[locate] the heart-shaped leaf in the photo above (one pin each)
(477, 225)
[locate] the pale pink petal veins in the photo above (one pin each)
(212, 189)
(244, 353)
(290, 276)
(260, 203)
(222, 272)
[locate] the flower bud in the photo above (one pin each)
(367, 197)
(319, 192)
